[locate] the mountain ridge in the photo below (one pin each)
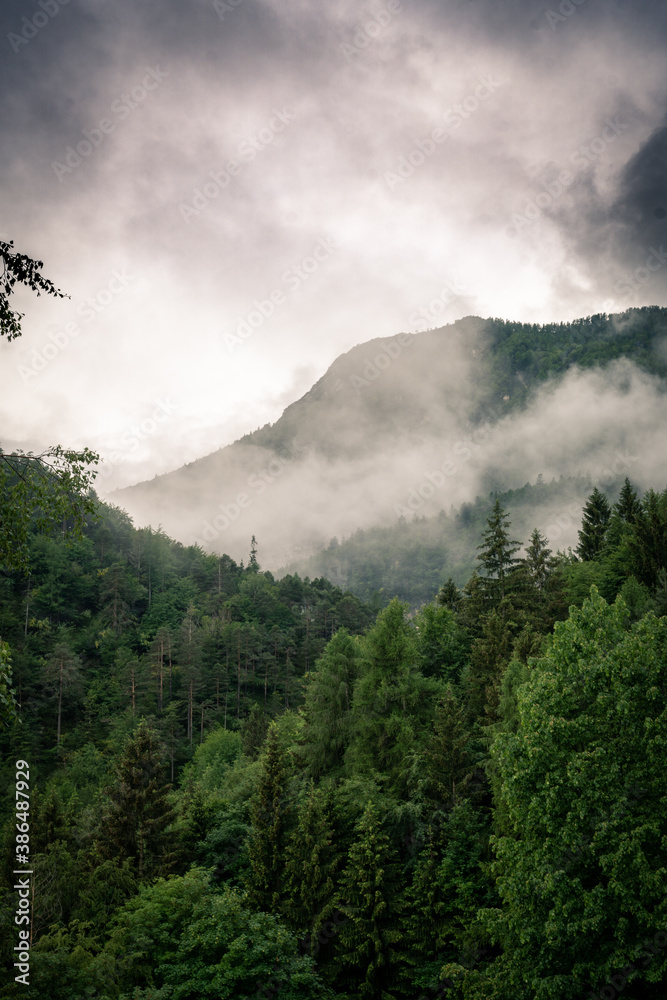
(377, 416)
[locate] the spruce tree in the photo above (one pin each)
(267, 837)
(538, 562)
(648, 541)
(136, 821)
(392, 703)
(627, 506)
(311, 863)
(595, 520)
(489, 656)
(366, 946)
(449, 595)
(447, 759)
(497, 554)
(328, 707)
(253, 732)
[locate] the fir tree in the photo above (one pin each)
(489, 656)
(136, 821)
(497, 554)
(366, 952)
(253, 565)
(447, 760)
(595, 520)
(253, 731)
(311, 863)
(538, 562)
(267, 838)
(449, 595)
(328, 706)
(627, 506)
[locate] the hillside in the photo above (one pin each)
(475, 402)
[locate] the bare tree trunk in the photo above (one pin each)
(60, 699)
(27, 606)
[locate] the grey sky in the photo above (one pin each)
(235, 193)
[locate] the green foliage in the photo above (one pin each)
(136, 819)
(442, 644)
(497, 555)
(367, 951)
(17, 267)
(582, 875)
(595, 521)
(392, 703)
(181, 934)
(213, 758)
(328, 707)
(357, 843)
(43, 491)
(311, 864)
(8, 706)
(267, 839)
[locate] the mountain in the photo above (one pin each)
(416, 423)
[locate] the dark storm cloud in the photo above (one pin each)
(641, 206)
(207, 232)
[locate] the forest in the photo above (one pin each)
(243, 786)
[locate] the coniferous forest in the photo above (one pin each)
(333, 500)
(250, 787)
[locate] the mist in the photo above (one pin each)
(394, 430)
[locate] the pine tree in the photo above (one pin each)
(648, 542)
(627, 506)
(496, 554)
(136, 821)
(253, 565)
(449, 595)
(392, 702)
(267, 837)
(311, 863)
(366, 953)
(328, 706)
(489, 656)
(538, 562)
(253, 731)
(447, 759)
(595, 520)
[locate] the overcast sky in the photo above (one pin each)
(234, 193)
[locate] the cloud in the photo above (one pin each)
(368, 86)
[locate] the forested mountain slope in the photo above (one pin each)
(243, 787)
(477, 405)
